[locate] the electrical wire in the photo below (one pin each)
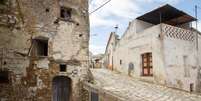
(100, 7)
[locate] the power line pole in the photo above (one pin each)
(196, 25)
(116, 28)
(197, 50)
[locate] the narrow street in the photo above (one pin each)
(134, 90)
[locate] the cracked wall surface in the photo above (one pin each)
(31, 77)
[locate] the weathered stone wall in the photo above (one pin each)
(31, 77)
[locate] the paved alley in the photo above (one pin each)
(134, 90)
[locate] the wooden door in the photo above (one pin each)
(61, 88)
(94, 96)
(147, 68)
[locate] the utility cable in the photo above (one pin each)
(100, 7)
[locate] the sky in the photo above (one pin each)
(121, 12)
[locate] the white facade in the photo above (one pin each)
(173, 53)
(109, 53)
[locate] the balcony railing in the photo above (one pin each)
(178, 33)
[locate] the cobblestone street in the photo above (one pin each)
(134, 90)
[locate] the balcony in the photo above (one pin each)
(178, 33)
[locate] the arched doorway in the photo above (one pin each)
(61, 88)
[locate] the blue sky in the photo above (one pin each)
(121, 12)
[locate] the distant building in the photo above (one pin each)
(97, 61)
(159, 46)
(108, 59)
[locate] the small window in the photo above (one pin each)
(65, 13)
(40, 47)
(4, 77)
(47, 10)
(94, 96)
(120, 62)
(62, 67)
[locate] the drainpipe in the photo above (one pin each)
(160, 21)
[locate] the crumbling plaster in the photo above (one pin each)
(31, 77)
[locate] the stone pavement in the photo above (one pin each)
(135, 90)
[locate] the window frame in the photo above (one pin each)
(36, 51)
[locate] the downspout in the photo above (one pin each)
(161, 26)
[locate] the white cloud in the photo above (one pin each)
(115, 8)
(116, 12)
(161, 1)
(96, 49)
(199, 25)
(98, 21)
(123, 9)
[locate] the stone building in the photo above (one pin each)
(43, 50)
(161, 47)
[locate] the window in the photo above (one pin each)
(40, 47)
(147, 69)
(94, 96)
(47, 10)
(120, 62)
(4, 77)
(65, 13)
(62, 67)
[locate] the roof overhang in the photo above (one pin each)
(167, 14)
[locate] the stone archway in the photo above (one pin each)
(61, 88)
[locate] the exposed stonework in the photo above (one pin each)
(30, 75)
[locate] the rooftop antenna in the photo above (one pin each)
(116, 28)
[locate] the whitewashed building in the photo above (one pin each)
(160, 46)
(109, 52)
